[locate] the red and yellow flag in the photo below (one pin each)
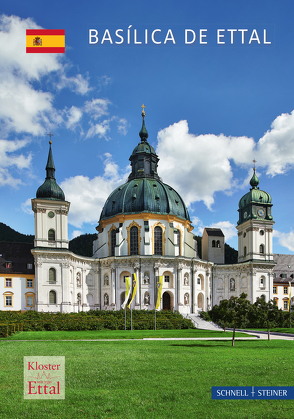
(45, 40)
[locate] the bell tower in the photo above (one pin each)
(255, 225)
(51, 211)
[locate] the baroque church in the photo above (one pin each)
(145, 228)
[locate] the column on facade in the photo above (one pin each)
(194, 283)
(179, 286)
(113, 296)
(40, 297)
(137, 297)
(97, 281)
(65, 300)
(156, 274)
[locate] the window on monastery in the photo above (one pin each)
(30, 300)
(274, 290)
(262, 282)
(285, 303)
(29, 266)
(134, 245)
(30, 283)
(158, 240)
(8, 282)
(245, 251)
(285, 290)
(261, 248)
(52, 276)
(51, 235)
(213, 243)
(112, 242)
(52, 297)
(198, 281)
(8, 265)
(261, 232)
(8, 300)
(218, 243)
(178, 240)
(166, 278)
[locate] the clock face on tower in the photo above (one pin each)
(261, 212)
(245, 214)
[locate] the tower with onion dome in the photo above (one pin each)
(255, 225)
(51, 211)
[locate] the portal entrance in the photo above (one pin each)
(166, 301)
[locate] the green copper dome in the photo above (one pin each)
(255, 195)
(255, 204)
(49, 189)
(144, 191)
(144, 195)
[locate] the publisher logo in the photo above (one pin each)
(44, 377)
(252, 393)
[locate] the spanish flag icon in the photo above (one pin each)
(45, 40)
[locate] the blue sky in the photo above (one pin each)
(211, 108)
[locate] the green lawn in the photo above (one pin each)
(121, 334)
(149, 379)
(277, 329)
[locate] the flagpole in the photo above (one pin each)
(155, 318)
(125, 317)
(131, 318)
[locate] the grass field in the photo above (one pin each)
(149, 379)
(121, 334)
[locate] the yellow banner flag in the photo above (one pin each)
(128, 292)
(159, 292)
(134, 278)
(289, 301)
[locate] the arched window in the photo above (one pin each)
(52, 276)
(51, 235)
(113, 242)
(261, 248)
(158, 240)
(52, 297)
(218, 243)
(134, 245)
(245, 251)
(213, 243)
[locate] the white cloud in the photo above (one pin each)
(74, 116)
(27, 206)
(122, 126)
(97, 107)
(199, 166)
(24, 108)
(276, 147)
(11, 160)
(77, 84)
(285, 239)
(227, 228)
(76, 233)
(87, 196)
(99, 129)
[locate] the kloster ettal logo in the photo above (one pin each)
(44, 377)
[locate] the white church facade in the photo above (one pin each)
(145, 229)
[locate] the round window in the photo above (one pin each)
(261, 232)
(51, 214)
